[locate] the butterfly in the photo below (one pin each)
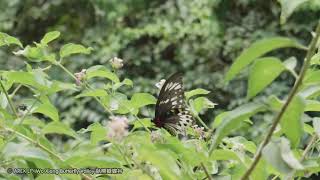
(171, 110)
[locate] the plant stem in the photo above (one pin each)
(8, 98)
(293, 92)
(43, 148)
(304, 154)
(205, 171)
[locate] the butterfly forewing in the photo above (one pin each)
(171, 109)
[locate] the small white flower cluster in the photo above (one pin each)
(156, 137)
(199, 131)
(117, 127)
(160, 83)
(80, 76)
(116, 63)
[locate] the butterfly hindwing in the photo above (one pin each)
(171, 108)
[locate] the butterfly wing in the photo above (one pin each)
(171, 110)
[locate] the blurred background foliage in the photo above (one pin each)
(157, 38)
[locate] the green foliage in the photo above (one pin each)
(41, 100)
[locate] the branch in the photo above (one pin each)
(293, 92)
(9, 100)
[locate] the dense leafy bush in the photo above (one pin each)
(176, 35)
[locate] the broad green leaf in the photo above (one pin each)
(274, 103)
(316, 125)
(224, 155)
(49, 110)
(256, 50)
(168, 168)
(6, 39)
(24, 151)
(146, 122)
(310, 91)
(58, 128)
(287, 8)
(312, 77)
(201, 103)
(93, 93)
(198, 91)
(139, 100)
(288, 156)
(98, 132)
(312, 105)
(308, 129)
(36, 54)
(50, 36)
(290, 65)
(272, 155)
(234, 118)
(70, 48)
(315, 60)
(101, 71)
(90, 160)
(126, 81)
(219, 119)
(262, 73)
(291, 123)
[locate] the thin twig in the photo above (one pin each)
(8, 98)
(42, 147)
(293, 92)
(205, 171)
(304, 154)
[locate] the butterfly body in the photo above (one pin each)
(171, 110)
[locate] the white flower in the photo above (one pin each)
(156, 137)
(80, 76)
(116, 62)
(160, 83)
(117, 127)
(199, 131)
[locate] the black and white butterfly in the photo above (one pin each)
(171, 110)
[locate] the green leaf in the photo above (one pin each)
(315, 59)
(287, 8)
(219, 119)
(312, 77)
(139, 100)
(23, 151)
(58, 128)
(291, 64)
(233, 119)
(312, 105)
(50, 36)
(310, 91)
(201, 103)
(6, 39)
(224, 155)
(48, 110)
(262, 73)
(316, 125)
(274, 102)
(70, 48)
(101, 71)
(198, 91)
(90, 160)
(288, 156)
(272, 155)
(98, 132)
(256, 50)
(93, 93)
(36, 54)
(146, 122)
(291, 123)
